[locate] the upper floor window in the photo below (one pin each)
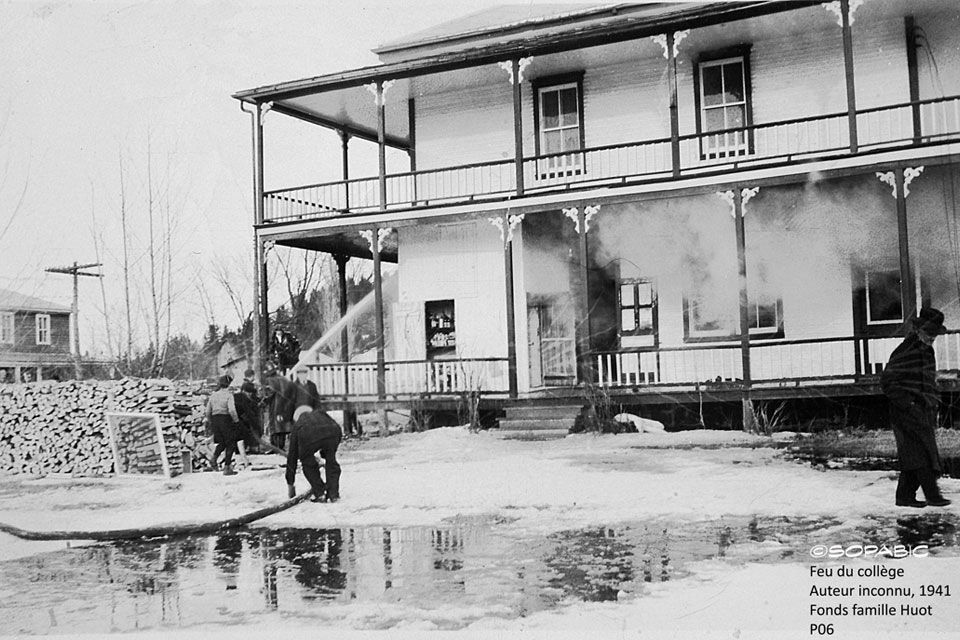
(6, 327)
(559, 122)
(43, 328)
(723, 97)
(883, 297)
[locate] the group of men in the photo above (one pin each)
(290, 413)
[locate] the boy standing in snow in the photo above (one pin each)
(314, 432)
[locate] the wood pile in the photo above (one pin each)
(61, 427)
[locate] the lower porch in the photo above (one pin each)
(772, 364)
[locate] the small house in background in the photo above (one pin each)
(232, 360)
(34, 338)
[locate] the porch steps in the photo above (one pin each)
(537, 422)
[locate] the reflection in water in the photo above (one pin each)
(449, 576)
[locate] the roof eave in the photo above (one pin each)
(699, 15)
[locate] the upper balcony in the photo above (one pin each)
(924, 123)
(616, 97)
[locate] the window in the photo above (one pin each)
(723, 105)
(559, 121)
(765, 317)
(43, 328)
(6, 327)
(637, 308)
(883, 297)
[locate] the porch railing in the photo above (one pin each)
(776, 362)
(764, 144)
(412, 377)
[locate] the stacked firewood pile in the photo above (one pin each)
(61, 427)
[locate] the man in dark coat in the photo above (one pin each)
(248, 414)
(307, 393)
(910, 383)
(314, 432)
(280, 400)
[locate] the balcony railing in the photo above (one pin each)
(824, 136)
(774, 362)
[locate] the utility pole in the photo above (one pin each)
(75, 271)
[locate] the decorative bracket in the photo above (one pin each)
(678, 36)
(836, 9)
(890, 178)
(498, 223)
(372, 88)
(745, 196)
(727, 196)
(513, 221)
(522, 64)
(382, 234)
(588, 212)
(909, 173)
(267, 245)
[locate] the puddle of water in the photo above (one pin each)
(950, 466)
(378, 577)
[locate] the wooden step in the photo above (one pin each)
(532, 434)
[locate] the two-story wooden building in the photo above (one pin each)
(664, 200)
(34, 338)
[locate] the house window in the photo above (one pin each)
(765, 317)
(43, 328)
(883, 298)
(724, 106)
(559, 120)
(637, 308)
(6, 327)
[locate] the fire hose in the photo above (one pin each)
(158, 531)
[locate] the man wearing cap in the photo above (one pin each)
(314, 432)
(307, 393)
(910, 383)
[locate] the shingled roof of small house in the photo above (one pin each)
(13, 301)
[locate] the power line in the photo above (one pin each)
(76, 272)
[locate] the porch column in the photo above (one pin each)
(375, 237)
(412, 148)
(345, 163)
(844, 15)
(261, 318)
(737, 198)
(506, 227)
(514, 69)
(349, 415)
(899, 179)
(913, 76)
(581, 217)
(671, 43)
(381, 148)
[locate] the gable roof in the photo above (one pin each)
(13, 301)
(493, 19)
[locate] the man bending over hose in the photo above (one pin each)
(314, 432)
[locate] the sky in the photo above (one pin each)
(104, 103)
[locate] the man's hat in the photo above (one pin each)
(248, 386)
(930, 321)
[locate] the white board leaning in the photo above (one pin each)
(138, 445)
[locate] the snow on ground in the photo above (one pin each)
(541, 487)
